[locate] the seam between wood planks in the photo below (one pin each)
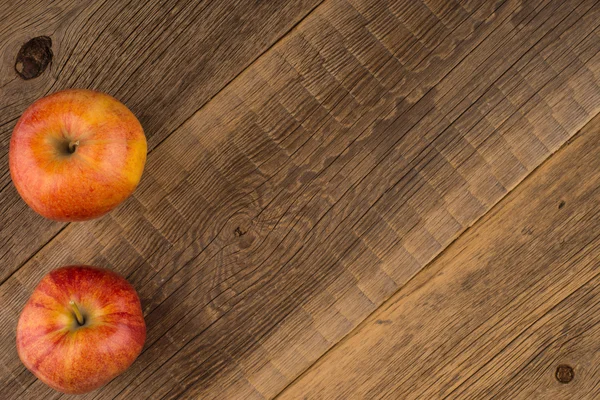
(457, 233)
(389, 301)
(227, 84)
(386, 303)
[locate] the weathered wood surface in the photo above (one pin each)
(504, 306)
(319, 181)
(163, 59)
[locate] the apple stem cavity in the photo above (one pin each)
(78, 315)
(73, 146)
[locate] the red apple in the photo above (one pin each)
(81, 327)
(76, 154)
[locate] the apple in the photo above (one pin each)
(76, 154)
(81, 327)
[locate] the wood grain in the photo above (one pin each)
(311, 188)
(508, 303)
(163, 59)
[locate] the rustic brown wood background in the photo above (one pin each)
(307, 160)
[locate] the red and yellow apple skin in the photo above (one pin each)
(74, 357)
(76, 154)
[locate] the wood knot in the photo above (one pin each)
(33, 57)
(239, 232)
(561, 204)
(564, 374)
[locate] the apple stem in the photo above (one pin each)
(77, 313)
(73, 146)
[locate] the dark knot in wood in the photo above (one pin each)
(564, 374)
(239, 232)
(34, 57)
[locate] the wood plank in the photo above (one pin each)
(163, 59)
(309, 190)
(499, 311)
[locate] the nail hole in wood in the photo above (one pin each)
(564, 374)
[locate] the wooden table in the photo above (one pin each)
(342, 199)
